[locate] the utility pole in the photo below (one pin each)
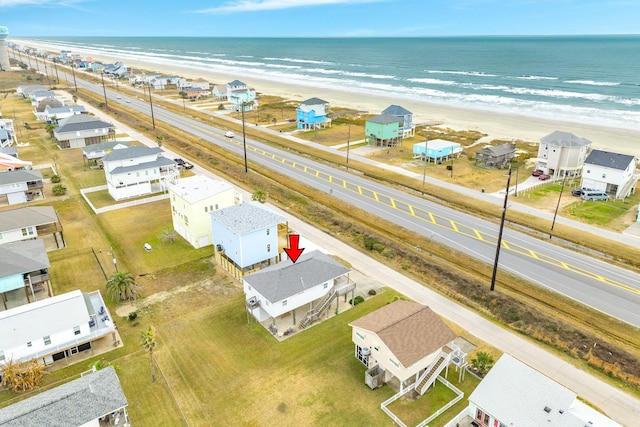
(153, 120)
(106, 104)
(348, 139)
(244, 138)
(75, 83)
(504, 214)
(424, 173)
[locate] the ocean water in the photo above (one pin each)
(585, 79)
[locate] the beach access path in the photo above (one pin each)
(617, 404)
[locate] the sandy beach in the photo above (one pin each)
(496, 125)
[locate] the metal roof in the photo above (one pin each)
(27, 217)
(20, 175)
(383, 119)
(198, 187)
(131, 153)
(22, 257)
(314, 101)
(246, 218)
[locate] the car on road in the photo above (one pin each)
(229, 134)
(128, 101)
(576, 192)
(118, 97)
(182, 164)
(537, 172)
(544, 177)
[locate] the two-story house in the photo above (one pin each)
(220, 92)
(305, 289)
(7, 132)
(241, 96)
(383, 130)
(56, 114)
(95, 152)
(10, 162)
(32, 223)
(81, 130)
(20, 186)
(24, 273)
(54, 328)
(313, 113)
(562, 153)
(613, 173)
(248, 237)
(407, 127)
(136, 171)
(192, 200)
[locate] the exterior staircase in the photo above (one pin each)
(432, 372)
(315, 313)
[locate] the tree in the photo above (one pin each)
(482, 362)
(122, 286)
(59, 190)
(148, 343)
(160, 138)
(259, 196)
(22, 376)
(101, 364)
(50, 127)
(168, 235)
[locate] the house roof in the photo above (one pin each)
(25, 217)
(220, 88)
(609, 160)
(131, 153)
(564, 139)
(19, 176)
(65, 109)
(79, 122)
(396, 110)
(104, 146)
(498, 150)
(411, 331)
(198, 187)
(30, 322)
(383, 119)
(313, 101)
(236, 83)
(286, 279)
(157, 163)
(22, 257)
(75, 403)
(517, 394)
(246, 218)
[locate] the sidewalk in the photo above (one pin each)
(615, 403)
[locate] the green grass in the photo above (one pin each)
(600, 213)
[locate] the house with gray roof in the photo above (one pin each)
(31, 223)
(7, 132)
(407, 127)
(562, 154)
(21, 186)
(81, 130)
(94, 399)
(95, 152)
(56, 114)
(498, 156)
(311, 284)
(248, 237)
(313, 113)
(515, 394)
(613, 173)
(24, 274)
(241, 96)
(383, 130)
(136, 171)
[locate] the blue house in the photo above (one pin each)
(312, 114)
(436, 150)
(248, 237)
(407, 128)
(241, 96)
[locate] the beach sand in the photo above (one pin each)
(496, 125)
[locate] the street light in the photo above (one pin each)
(504, 214)
(106, 104)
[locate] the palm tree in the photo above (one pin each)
(259, 196)
(50, 127)
(122, 286)
(148, 343)
(160, 138)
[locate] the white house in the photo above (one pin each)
(95, 152)
(20, 186)
(31, 223)
(9, 162)
(248, 237)
(81, 130)
(54, 328)
(10, 137)
(192, 200)
(56, 114)
(313, 282)
(136, 171)
(515, 394)
(405, 340)
(241, 96)
(24, 273)
(612, 173)
(562, 153)
(93, 400)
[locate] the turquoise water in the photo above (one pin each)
(589, 79)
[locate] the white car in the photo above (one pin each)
(229, 134)
(118, 97)
(128, 101)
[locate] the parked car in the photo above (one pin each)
(229, 134)
(182, 164)
(544, 177)
(594, 195)
(537, 172)
(576, 192)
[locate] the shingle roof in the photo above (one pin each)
(247, 217)
(107, 145)
(396, 110)
(131, 153)
(20, 176)
(608, 159)
(79, 122)
(72, 404)
(383, 119)
(159, 162)
(23, 257)
(314, 101)
(410, 330)
(498, 150)
(285, 279)
(65, 109)
(25, 217)
(564, 139)
(236, 83)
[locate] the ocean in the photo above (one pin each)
(583, 79)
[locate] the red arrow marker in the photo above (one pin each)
(294, 251)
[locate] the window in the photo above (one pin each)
(28, 231)
(604, 175)
(268, 248)
(29, 344)
(326, 285)
(76, 330)
(268, 231)
(216, 206)
(206, 209)
(47, 340)
(284, 303)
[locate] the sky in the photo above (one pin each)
(318, 18)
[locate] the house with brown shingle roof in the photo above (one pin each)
(405, 340)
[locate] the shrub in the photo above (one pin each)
(372, 292)
(405, 265)
(357, 300)
(378, 247)
(59, 190)
(369, 241)
(133, 315)
(55, 179)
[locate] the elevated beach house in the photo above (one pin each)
(56, 114)
(406, 343)
(81, 130)
(562, 153)
(37, 222)
(95, 152)
(613, 173)
(54, 328)
(20, 186)
(313, 114)
(436, 150)
(192, 200)
(240, 96)
(304, 290)
(498, 156)
(9, 159)
(93, 400)
(220, 92)
(136, 171)
(248, 237)
(407, 128)
(24, 274)
(7, 133)
(515, 394)
(383, 131)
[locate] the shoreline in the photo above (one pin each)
(497, 125)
